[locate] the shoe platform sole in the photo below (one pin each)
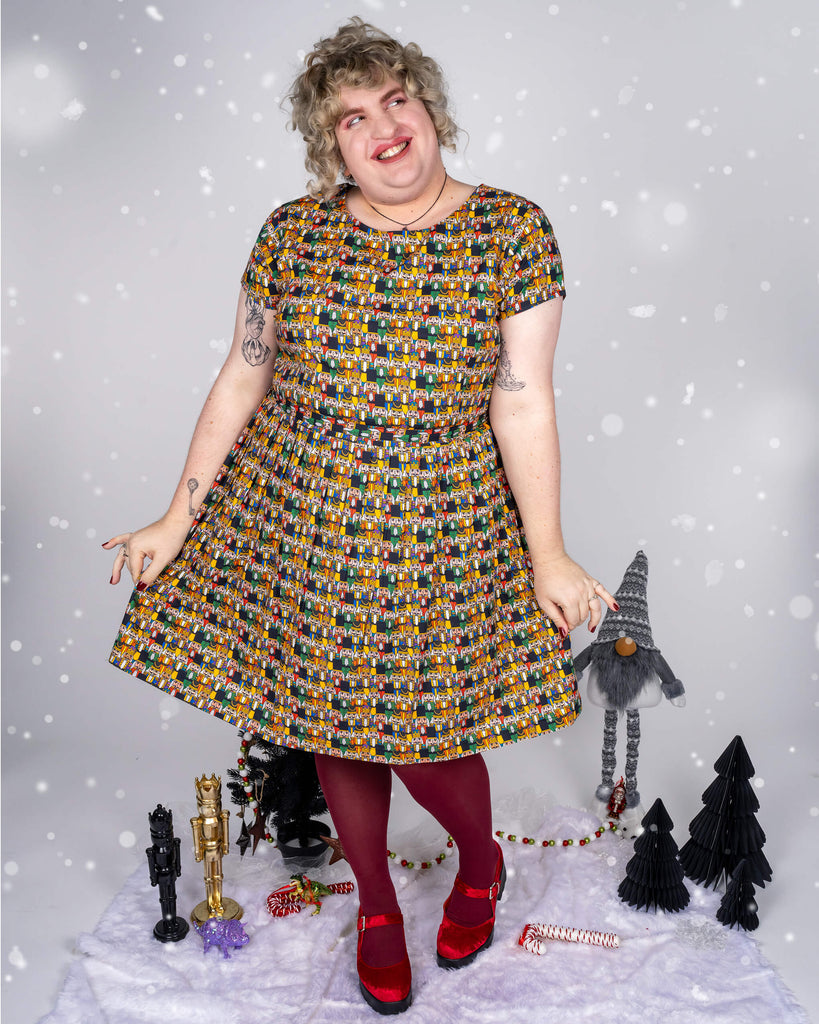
(385, 1008)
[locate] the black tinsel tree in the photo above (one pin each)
(725, 831)
(738, 905)
(286, 785)
(654, 876)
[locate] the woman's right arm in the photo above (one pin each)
(236, 393)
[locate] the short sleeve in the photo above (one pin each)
(261, 276)
(531, 267)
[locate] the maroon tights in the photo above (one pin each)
(456, 793)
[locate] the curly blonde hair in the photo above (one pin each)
(359, 56)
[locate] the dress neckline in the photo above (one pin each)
(339, 200)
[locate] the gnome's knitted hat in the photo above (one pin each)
(632, 619)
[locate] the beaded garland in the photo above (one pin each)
(608, 826)
(248, 739)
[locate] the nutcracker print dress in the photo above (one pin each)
(357, 582)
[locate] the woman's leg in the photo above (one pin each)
(456, 793)
(358, 796)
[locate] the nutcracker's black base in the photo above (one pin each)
(171, 931)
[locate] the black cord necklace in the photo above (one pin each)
(399, 256)
(415, 219)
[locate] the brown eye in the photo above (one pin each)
(625, 646)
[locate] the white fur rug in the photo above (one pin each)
(682, 968)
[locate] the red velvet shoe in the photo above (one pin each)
(386, 989)
(459, 944)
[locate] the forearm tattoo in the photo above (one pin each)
(193, 485)
(253, 348)
(504, 378)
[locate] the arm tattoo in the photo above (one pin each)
(253, 348)
(504, 378)
(193, 485)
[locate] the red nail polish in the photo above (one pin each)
(111, 580)
(616, 607)
(141, 586)
(564, 633)
(592, 628)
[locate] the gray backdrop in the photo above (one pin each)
(673, 145)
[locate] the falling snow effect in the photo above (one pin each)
(74, 110)
(144, 145)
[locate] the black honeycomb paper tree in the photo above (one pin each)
(726, 832)
(738, 905)
(654, 876)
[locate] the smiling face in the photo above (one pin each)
(388, 144)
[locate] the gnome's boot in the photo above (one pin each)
(632, 743)
(609, 758)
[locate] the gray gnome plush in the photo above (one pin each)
(627, 673)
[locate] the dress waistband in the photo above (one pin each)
(371, 433)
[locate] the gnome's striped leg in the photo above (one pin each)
(632, 743)
(609, 757)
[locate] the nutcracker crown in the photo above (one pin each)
(209, 791)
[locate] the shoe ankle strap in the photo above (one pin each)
(477, 894)
(378, 920)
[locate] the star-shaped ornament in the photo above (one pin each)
(244, 839)
(336, 847)
(258, 830)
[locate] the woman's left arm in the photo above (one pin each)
(522, 415)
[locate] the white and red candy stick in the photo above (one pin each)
(534, 937)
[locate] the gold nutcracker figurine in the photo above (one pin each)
(211, 843)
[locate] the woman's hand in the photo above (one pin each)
(569, 595)
(160, 543)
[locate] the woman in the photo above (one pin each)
(354, 579)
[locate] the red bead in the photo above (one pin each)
(545, 842)
(583, 842)
(499, 833)
(450, 844)
(403, 863)
(565, 842)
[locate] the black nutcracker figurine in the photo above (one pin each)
(165, 866)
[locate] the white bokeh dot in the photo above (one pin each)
(612, 424)
(675, 214)
(11, 867)
(127, 839)
(801, 606)
(15, 645)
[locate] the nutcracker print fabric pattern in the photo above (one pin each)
(356, 581)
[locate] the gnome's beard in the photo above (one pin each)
(623, 681)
